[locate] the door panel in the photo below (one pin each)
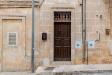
(14, 56)
(62, 41)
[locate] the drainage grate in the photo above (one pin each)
(49, 68)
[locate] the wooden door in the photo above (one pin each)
(62, 36)
(62, 41)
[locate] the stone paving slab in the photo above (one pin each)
(90, 67)
(64, 73)
(79, 73)
(16, 73)
(85, 73)
(102, 69)
(72, 68)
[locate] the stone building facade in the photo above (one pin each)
(58, 33)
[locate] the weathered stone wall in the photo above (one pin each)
(23, 50)
(98, 20)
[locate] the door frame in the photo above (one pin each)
(23, 18)
(72, 10)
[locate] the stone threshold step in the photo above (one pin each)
(75, 68)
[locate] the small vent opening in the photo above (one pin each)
(12, 38)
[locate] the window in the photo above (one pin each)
(60, 16)
(12, 38)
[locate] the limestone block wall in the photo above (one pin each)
(98, 19)
(24, 46)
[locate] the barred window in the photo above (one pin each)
(12, 38)
(60, 16)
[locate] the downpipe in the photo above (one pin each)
(84, 42)
(33, 34)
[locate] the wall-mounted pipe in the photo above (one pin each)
(84, 29)
(33, 35)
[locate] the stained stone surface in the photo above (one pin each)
(76, 70)
(98, 18)
(16, 73)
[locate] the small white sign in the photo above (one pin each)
(78, 44)
(91, 44)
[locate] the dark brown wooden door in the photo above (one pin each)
(62, 41)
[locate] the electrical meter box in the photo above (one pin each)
(44, 36)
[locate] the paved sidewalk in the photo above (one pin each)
(71, 73)
(16, 73)
(97, 69)
(86, 73)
